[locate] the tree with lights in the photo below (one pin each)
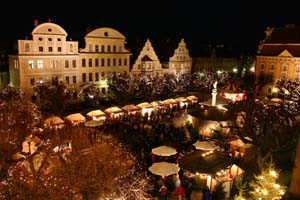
(265, 185)
(18, 119)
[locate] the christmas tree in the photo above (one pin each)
(265, 186)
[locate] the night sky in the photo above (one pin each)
(199, 22)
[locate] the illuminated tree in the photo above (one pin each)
(74, 166)
(18, 119)
(265, 186)
(90, 94)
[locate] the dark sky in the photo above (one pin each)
(199, 22)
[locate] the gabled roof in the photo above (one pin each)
(276, 50)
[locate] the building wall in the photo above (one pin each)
(152, 66)
(104, 54)
(180, 62)
(46, 56)
(214, 64)
(277, 67)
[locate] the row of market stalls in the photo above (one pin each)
(116, 112)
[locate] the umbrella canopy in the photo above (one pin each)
(164, 151)
(53, 121)
(93, 123)
(205, 145)
(164, 168)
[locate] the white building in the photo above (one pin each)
(180, 62)
(104, 54)
(48, 55)
(147, 62)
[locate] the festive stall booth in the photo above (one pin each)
(131, 109)
(159, 105)
(170, 102)
(193, 99)
(75, 118)
(182, 102)
(114, 112)
(246, 151)
(146, 108)
(97, 115)
(212, 169)
(54, 122)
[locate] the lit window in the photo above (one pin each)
(31, 64)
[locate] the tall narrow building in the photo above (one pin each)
(180, 62)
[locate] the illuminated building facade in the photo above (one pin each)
(48, 55)
(104, 55)
(147, 62)
(278, 56)
(180, 62)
